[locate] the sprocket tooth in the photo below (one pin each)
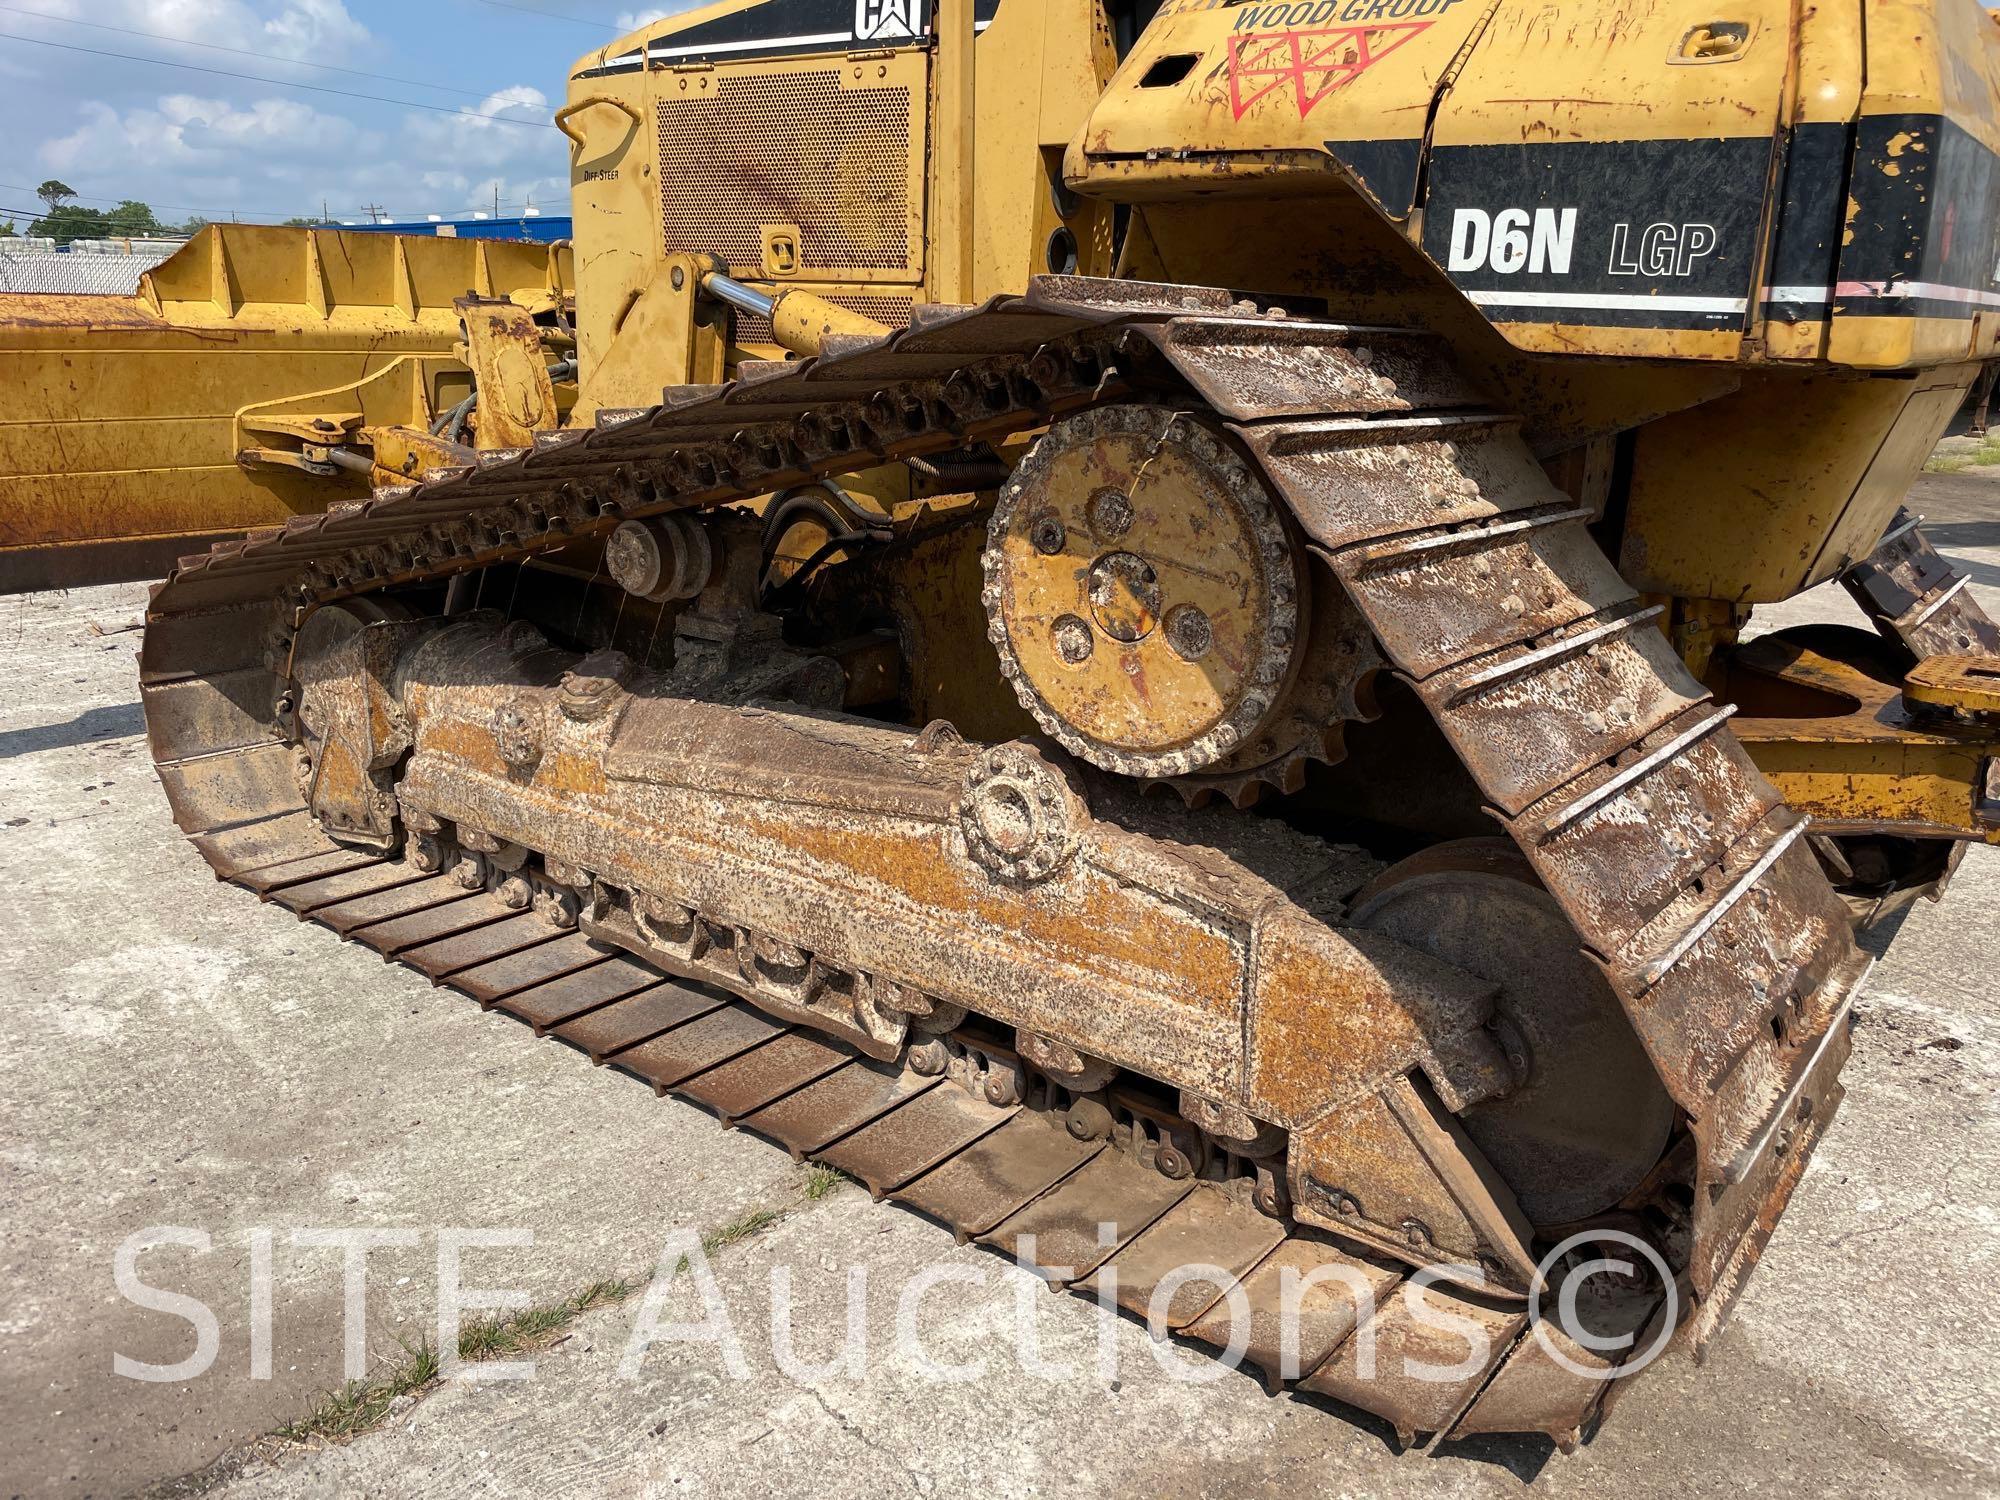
(1285, 774)
(1245, 794)
(1193, 795)
(1290, 775)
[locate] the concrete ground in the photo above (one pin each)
(179, 1056)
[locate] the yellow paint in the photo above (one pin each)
(801, 321)
(121, 417)
(665, 336)
(1128, 498)
(1817, 465)
(856, 124)
(1971, 683)
(1935, 788)
(503, 349)
(1840, 742)
(870, 180)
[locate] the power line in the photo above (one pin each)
(211, 213)
(556, 15)
(283, 83)
(188, 208)
(199, 209)
(32, 214)
(160, 36)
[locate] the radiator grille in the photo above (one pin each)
(891, 312)
(789, 148)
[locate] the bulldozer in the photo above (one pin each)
(1128, 623)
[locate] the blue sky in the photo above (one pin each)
(198, 142)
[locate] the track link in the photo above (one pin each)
(1010, 1177)
(1681, 870)
(1916, 599)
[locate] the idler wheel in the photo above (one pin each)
(1590, 1118)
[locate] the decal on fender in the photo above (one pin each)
(1313, 63)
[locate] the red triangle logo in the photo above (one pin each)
(1313, 63)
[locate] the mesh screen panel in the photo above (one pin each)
(789, 148)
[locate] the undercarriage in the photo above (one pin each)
(1335, 864)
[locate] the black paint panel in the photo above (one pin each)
(780, 24)
(1928, 210)
(772, 20)
(1386, 170)
(1811, 217)
(1719, 184)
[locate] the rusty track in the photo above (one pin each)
(1682, 872)
(992, 1174)
(1916, 599)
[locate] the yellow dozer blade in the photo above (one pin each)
(224, 393)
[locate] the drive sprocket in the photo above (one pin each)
(1156, 613)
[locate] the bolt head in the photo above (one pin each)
(1072, 639)
(1110, 514)
(1190, 633)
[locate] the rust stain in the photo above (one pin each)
(763, 847)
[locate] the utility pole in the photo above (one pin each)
(374, 212)
(496, 197)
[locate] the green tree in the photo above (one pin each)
(55, 193)
(7, 230)
(194, 226)
(68, 222)
(132, 217)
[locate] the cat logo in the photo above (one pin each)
(885, 20)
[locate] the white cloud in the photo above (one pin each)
(632, 20)
(315, 28)
(195, 20)
(185, 130)
(260, 151)
(284, 157)
(267, 127)
(517, 97)
(464, 155)
(495, 126)
(318, 29)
